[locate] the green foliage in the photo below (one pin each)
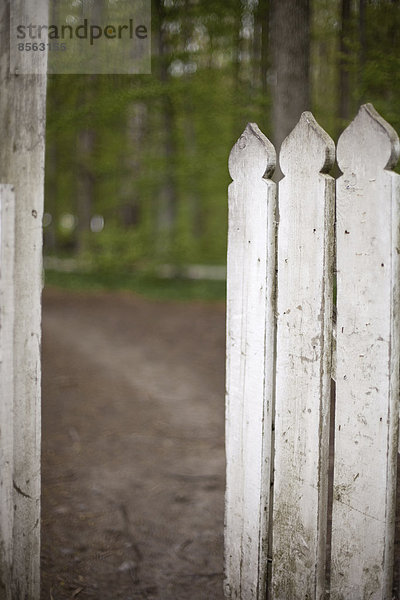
(144, 284)
(149, 152)
(104, 249)
(381, 76)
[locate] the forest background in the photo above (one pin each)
(136, 166)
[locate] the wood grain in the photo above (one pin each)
(22, 121)
(367, 371)
(7, 223)
(303, 365)
(250, 363)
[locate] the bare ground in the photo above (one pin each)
(133, 450)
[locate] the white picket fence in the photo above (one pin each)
(281, 360)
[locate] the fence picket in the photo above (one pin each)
(303, 368)
(250, 363)
(6, 385)
(367, 372)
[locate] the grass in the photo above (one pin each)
(145, 285)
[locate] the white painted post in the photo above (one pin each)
(250, 364)
(367, 371)
(303, 369)
(6, 385)
(22, 126)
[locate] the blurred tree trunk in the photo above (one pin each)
(290, 51)
(363, 47)
(167, 212)
(237, 46)
(262, 18)
(86, 141)
(85, 179)
(131, 158)
(192, 208)
(51, 171)
(344, 74)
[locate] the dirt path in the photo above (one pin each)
(133, 449)
(133, 454)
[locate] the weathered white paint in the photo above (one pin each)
(367, 372)
(303, 363)
(7, 202)
(22, 125)
(250, 363)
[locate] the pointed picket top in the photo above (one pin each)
(367, 359)
(307, 148)
(251, 277)
(302, 372)
(253, 155)
(368, 142)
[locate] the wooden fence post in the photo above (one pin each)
(6, 385)
(22, 125)
(303, 368)
(250, 363)
(367, 371)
